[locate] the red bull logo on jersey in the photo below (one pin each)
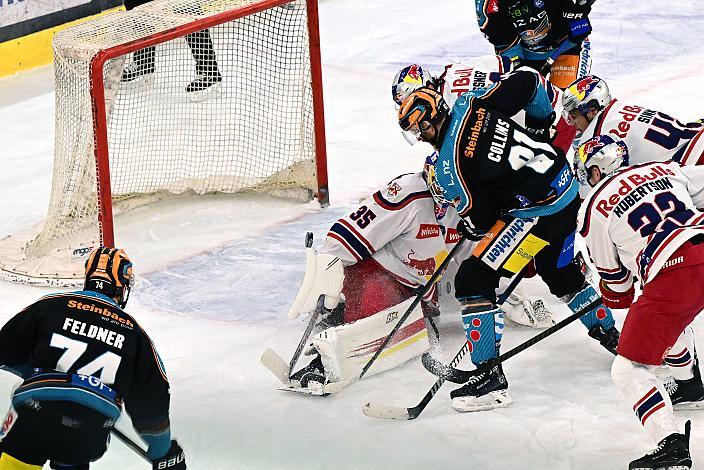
(632, 188)
(425, 267)
(628, 114)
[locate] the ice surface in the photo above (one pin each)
(216, 277)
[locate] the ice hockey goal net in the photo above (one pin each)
(175, 96)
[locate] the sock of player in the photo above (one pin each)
(651, 403)
(680, 358)
(601, 315)
(483, 325)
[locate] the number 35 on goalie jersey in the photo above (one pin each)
(400, 227)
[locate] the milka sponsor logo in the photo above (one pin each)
(507, 239)
(428, 231)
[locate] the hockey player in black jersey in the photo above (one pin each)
(517, 194)
(529, 31)
(82, 357)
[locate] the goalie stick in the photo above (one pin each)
(421, 291)
(394, 412)
(275, 363)
(457, 376)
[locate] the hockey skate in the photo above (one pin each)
(309, 380)
(204, 86)
(608, 339)
(526, 313)
(138, 72)
(672, 453)
(687, 394)
(483, 392)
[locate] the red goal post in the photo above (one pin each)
(261, 128)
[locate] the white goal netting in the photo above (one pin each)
(221, 109)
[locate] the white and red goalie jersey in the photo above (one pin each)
(401, 228)
(651, 136)
(634, 221)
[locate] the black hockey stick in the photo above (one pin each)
(131, 444)
(449, 373)
(395, 412)
(304, 339)
(419, 296)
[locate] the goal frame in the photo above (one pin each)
(97, 91)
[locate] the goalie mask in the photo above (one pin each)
(407, 80)
(421, 110)
(584, 94)
(109, 271)
(602, 152)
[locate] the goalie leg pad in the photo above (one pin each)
(324, 276)
(346, 349)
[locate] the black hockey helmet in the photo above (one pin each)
(109, 271)
(423, 108)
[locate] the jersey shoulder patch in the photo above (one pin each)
(401, 191)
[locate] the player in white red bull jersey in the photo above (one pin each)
(458, 79)
(649, 134)
(643, 222)
(388, 247)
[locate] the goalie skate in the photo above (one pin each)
(531, 314)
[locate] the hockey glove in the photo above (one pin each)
(468, 231)
(174, 459)
(575, 14)
(539, 128)
(613, 299)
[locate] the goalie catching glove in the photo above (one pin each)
(324, 275)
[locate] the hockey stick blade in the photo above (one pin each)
(386, 412)
(451, 374)
(276, 365)
(392, 412)
(444, 371)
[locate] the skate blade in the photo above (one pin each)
(689, 405)
(675, 467)
(213, 91)
(316, 392)
(499, 401)
(139, 82)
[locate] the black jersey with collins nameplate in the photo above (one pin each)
(87, 333)
(488, 165)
